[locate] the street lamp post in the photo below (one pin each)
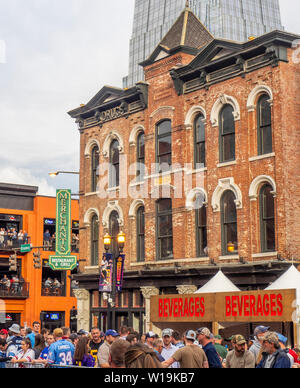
(54, 174)
(107, 240)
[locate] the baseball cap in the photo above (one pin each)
(239, 339)
(191, 335)
(282, 338)
(167, 332)
(15, 328)
(205, 331)
(82, 332)
(150, 334)
(261, 330)
(73, 336)
(3, 331)
(112, 333)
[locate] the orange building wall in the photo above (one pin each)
(33, 223)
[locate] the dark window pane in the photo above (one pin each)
(227, 120)
(141, 234)
(265, 111)
(267, 219)
(264, 126)
(227, 134)
(199, 129)
(229, 222)
(164, 127)
(164, 205)
(166, 248)
(266, 134)
(228, 148)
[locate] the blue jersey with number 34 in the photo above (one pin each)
(61, 353)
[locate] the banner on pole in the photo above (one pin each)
(120, 272)
(106, 270)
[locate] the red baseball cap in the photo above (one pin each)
(3, 331)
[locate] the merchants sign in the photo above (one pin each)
(63, 260)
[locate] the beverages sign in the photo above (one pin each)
(63, 260)
(251, 306)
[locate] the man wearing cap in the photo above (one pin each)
(14, 341)
(204, 338)
(259, 333)
(239, 357)
(221, 350)
(3, 334)
(290, 353)
(273, 356)
(103, 352)
(190, 356)
(168, 348)
(149, 339)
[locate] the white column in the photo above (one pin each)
(147, 293)
(83, 308)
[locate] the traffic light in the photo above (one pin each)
(37, 260)
(13, 263)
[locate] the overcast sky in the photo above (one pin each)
(55, 55)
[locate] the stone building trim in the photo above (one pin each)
(190, 197)
(89, 214)
(218, 105)
(134, 207)
(90, 144)
(112, 206)
(134, 134)
(192, 113)
(186, 289)
(255, 93)
(257, 184)
(224, 185)
(169, 109)
(147, 292)
(114, 135)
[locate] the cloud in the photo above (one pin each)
(23, 176)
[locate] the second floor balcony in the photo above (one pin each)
(14, 290)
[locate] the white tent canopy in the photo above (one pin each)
(219, 283)
(289, 280)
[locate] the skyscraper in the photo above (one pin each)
(229, 19)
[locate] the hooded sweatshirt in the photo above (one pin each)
(255, 348)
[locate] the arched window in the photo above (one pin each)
(114, 178)
(229, 223)
(201, 227)
(164, 229)
(227, 134)
(114, 230)
(267, 219)
(199, 141)
(94, 168)
(141, 156)
(264, 125)
(164, 146)
(140, 234)
(94, 240)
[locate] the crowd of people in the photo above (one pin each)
(11, 285)
(12, 238)
(20, 346)
(50, 239)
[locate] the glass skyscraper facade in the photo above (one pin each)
(229, 19)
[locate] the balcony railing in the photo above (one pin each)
(11, 244)
(14, 291)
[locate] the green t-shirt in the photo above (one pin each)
(221, 350)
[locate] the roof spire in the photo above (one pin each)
(187, 4)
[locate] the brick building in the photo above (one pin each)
(216, 127)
